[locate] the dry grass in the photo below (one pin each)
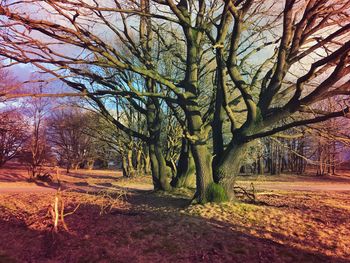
(317, 222)
(115, 226)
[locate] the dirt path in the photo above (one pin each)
(13, 179)
(302, 186)
(298, 183)
(32, 188)
(23, 188)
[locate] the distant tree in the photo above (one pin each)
(328, 140)
(8, 84)
(71, 143)
(13, 135)
(132, 152)
(37, 151)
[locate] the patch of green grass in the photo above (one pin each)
(216, 193)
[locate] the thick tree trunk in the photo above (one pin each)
(201, 155)
(217, 129)
(230, 165)
(160, 171)
(131, 169)
(125, 166)
(147, 162)
(196, 128)
(139, 162)
(204, 176)
(185, 176)
(154, 168)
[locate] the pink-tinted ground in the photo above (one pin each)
(295, 219)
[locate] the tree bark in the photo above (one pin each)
(230, 165)
(185, 176)
(261, 167)
(147, 162)
(204, 176)
(125, 166)
(139, 162)
(201, 155)
(131, 169)
(160, 171)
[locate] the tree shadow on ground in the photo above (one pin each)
(85, 175)
(151, 200)
(134, 235)
(12, 172)
(9, 177)
(52, 184)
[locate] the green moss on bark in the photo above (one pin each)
(216, 193)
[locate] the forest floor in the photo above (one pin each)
(294, 219)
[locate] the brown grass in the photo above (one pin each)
(284, 226)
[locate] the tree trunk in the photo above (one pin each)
(196, 128)
(90, 164)
(217, 127)
(131, 169)
(204, 176)
(139, 163)
(201, 155)
(160, 171)
(125, 166)
(230, 165)
(147, 162)
(260, 165)
(185, 176)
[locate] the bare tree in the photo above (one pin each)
(67, 132)
(13, 134)
(37, 151)
(258, 92)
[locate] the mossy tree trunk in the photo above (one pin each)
(185, 176)
(217, 129)
(230, 164)
(139, 162)
(125, 166)
(204, 176)
(131, 169)
(146, 161)
(196, 128)
(161, 173)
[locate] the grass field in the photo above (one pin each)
(294, 219)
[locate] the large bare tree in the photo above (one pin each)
(270, 63)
